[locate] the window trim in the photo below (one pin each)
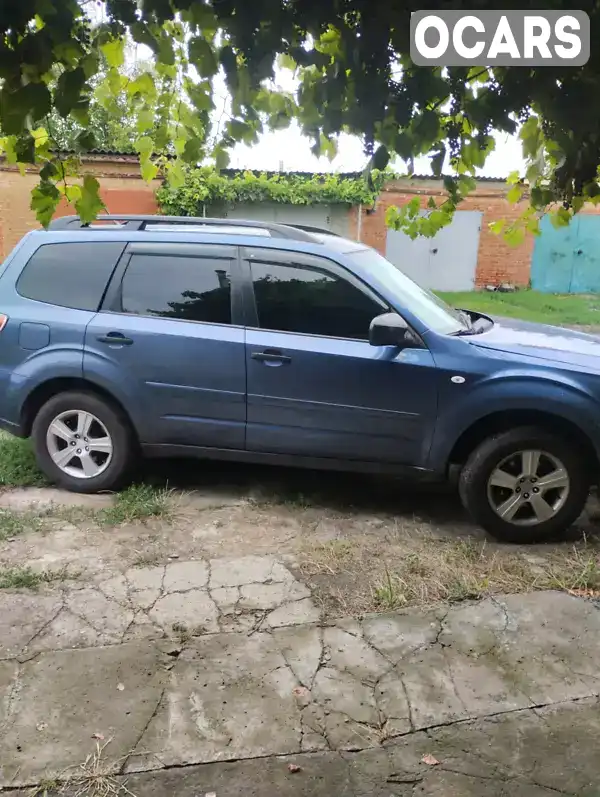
(112, 302)
(290, 259)
(99, 304)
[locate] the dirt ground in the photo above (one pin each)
(360, 543)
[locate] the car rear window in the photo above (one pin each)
(187, 288)
(70, 274)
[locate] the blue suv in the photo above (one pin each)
(287, 345)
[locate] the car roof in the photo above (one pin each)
(206, 228)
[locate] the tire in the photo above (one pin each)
(113, 464)
(514, 451)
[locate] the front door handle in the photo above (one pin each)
(115, 338)
(271, 357)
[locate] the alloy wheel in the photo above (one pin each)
(528, 487)
(79, 444)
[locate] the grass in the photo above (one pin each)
(18, 469)
(350, 576)
(137, 503)
(547, 308)
(13, 523)
(28, 578)
(17, 463)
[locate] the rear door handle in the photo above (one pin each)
(116, 338)
(271, 357)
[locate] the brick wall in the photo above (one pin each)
(497, 262)
(122, 190)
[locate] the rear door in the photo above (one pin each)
(168, 332)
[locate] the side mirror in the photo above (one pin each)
(390, 329)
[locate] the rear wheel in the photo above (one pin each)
(525, 485)
(83, 443)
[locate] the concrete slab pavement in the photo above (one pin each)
(183, 667)
(177, 600)
(527, 753)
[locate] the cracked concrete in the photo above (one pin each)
(180, 599)
(193, 664)
(521, 754)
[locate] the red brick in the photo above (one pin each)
(121, 188)
(497, 262)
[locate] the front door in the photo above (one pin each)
(165, 335)
(315, 385)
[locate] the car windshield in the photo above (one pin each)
(429, 308)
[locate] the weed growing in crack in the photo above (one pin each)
(28, 578)
(269, 497)
(39, 519)
(138, 503)
(45, 788)
(13, 523)
(387, 594)
(184, 634)
(72, 514)
(94, 777)
(147, 560)
(297, 501)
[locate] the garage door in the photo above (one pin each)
(325, 217)
(567, 259)
(448, 261)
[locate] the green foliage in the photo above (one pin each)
(206, 186)
(355, 76)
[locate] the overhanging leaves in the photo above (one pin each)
(89, 203)
(355, 76)
(202, 56)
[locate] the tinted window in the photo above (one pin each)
(302, 299)
(190, 288)
(70, 275)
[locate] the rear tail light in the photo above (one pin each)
(3, 321)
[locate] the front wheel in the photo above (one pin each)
(525, 485)
(82, 443)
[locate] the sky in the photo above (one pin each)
(289, 150)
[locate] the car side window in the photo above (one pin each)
(185, 288)
(298, 298)
(71, 275)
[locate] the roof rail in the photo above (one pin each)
(318, 230)
(129, 222)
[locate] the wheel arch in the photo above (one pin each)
(503, 420)
(52, 387)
